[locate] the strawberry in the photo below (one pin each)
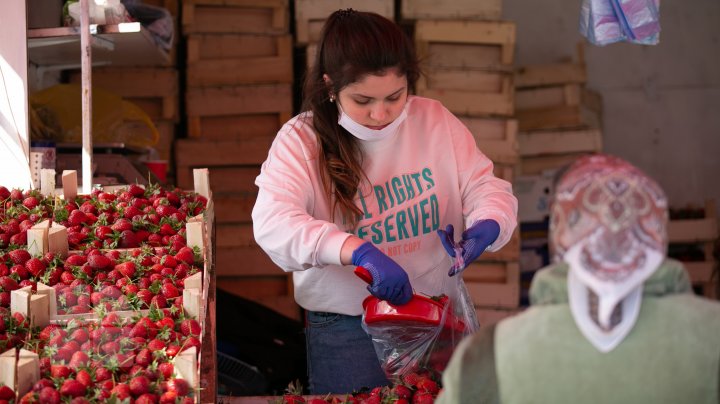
(121, 391)
(78, 359)
(84, 377)
(139, 385)
(423, 397)
(169, 291)
(126, 268)
(6, 393)
(144, 357)
(180, 386)
(4, 271)
(49, 395)
(75, 260)
(106, 197)
(168, 397)
(186, 255)
(19, 257)
(426, 384)
(128, 239)
(30, 202)
(8, 284)
(77, 217)
(102, 374)
(401, 391)
(190, 327)
(136, 190)
(166, 369)
(98, 261)
(168, 261)
(4, 193)
(131, 212)
(122, 225)
(72, 388)
(59, 371)
(145, 295)
(5, 240)
(35, 266)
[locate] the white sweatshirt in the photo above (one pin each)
(427, 175)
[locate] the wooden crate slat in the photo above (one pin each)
(231, 127)
(509, 252)
(560, 142)
(235, 235)
(314, 12)
(162, 108)
(548, 97)
(465, 56)
(245, 261)
(537, 164)
(451, 9)
(474, 104)
(576, 116)
(550, 74)
(258, 70)
(473, 32)
(258, 286)
(166, 129)
(223, 179)
(468, 80)
(238, 100)
(496, 138)
(700, 272)
(499, 292)
(193, 153)
(139, 82)
(236, 16)
(234, 208)
(236, 46)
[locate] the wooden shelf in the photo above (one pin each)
(124, 44)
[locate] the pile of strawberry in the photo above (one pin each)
(419, 387)
(122, 359)
(20, 211)
(14, 329)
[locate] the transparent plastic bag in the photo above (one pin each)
(604, 22)
(406, 346)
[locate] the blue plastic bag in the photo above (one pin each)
(604, 22)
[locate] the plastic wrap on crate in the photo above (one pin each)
(604, 22)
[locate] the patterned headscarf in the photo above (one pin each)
(608, 222)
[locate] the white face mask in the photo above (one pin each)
(362, 132)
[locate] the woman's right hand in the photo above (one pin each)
(389, 280)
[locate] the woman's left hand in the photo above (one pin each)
(475, 240)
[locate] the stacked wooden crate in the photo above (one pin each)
(310, 15)
(238, 95)
(558, 118)
(693, 234)
(468, 58)
(153, 89)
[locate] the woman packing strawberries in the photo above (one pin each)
(367, 176)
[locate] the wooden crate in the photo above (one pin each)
(560, 142)
(550, 74)
(233, 127)
(496, 33)
(469, 56)
(227, 179)
(505, 171)
(704, 233)
(221, 60)
(565, 117)
(493, 284)
(548, 97)
(472, 92)
(451, 9)
(488, 316)
(496, 138)
(153, 89)
(203, 104)
(536, 165)
(509, 252)
(195, 153)
(166, 130)
(310, 15)
(236, 17)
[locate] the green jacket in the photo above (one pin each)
(672, 354)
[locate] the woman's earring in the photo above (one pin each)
(332, 97)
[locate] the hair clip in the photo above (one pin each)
(345, 13)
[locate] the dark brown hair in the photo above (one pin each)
(352, 45)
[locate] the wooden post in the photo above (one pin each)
(86, 72)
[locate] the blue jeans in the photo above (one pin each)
(340, 354)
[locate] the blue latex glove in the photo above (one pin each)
(389, 281)
(473, 243)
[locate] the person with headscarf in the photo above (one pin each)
(612, 320)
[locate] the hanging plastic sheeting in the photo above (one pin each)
(604, 22)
